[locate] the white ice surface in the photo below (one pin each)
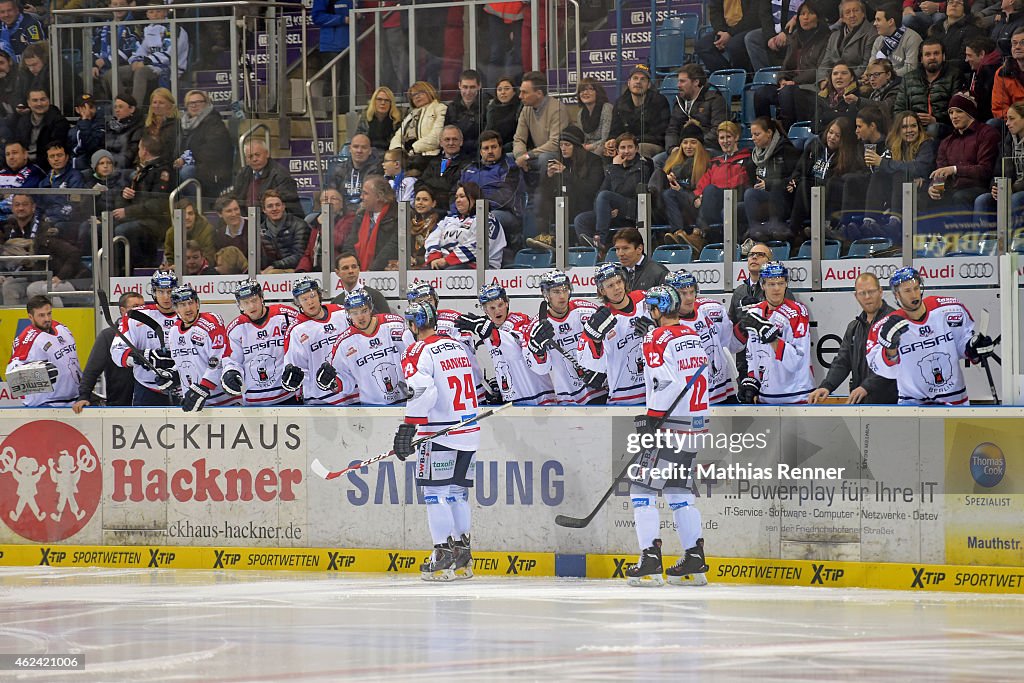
(215, 627)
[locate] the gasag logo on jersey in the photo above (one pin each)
(379, 354)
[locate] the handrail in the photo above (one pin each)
(121, 239)
(182, 6)
(579, 61)
(173, 197)
(246, 134)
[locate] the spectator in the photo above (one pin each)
(208, 153)
(851, 43)
(828, 161)
(1010, 18)
(503, 24)
(394, 170)
(374, 239)
(985, 12)
(232, 230)
(310, 260)
(60, 210)
(196, 262)
(394, 41)
(501, 183)
(919, 15)
(958, 29)
(124, 130)
(695, 104)
(984, 59)
(103, 45)
(641, 272)
(967, 158)
(724, 48)
(453, 243)
(503, 111)
(283, 236)
(469, 109)
(18, 172)
(1010, 165)
(425, 216)
(152, 60)
(36, 128)
(346, 267)
(895, 42)
(767, 45)
(884, 85)
(65, 261)
(10, 96)
(87, 136)
(118, 382)
(19, 29)
(642, 111)
(926, 90)
(34, 70)
(142, 212)
(682, 171)
(444, 170)
(616, 203)
(197, 230)
(775, 158)
(381, 120)
(348, 175)
(794, 96)
(332, 18)
(420, 132)
(101, 178)
(911, 158)
(231, 261)
(541, 121)
(1009, 81)
(870, 129)
(838, 99)
(733, 169)
(162, 122)
(595, 115)
(260, 174)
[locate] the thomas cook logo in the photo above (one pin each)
(50, 482)
(988, 464)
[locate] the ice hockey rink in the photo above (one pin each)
(213, 626)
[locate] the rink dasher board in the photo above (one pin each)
(797, 573)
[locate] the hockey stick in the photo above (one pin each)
(580, 522)
(158, 330)
(321, 471)
(580, 370)
(136, 352)
(983, 324)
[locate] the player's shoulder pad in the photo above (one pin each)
(412, 354)
(933, 302)
(208, 322)
(518, 319)
(391, 318)
(347, 333)
(240, 319)
(27, 336)
(711, 308)
(637, 296)
(582, 304)
(793, 309)
(448, 314)
(283, 309)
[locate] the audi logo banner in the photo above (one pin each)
(709, 276)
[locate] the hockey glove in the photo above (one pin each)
(327, 377)
(51, 371)
(892, 329)
(195, 398)
(159, 359)
(291, 378)
(403, 440)
(755, 323)
(594, 379)
(750, 389)
(480, 325)
(979, 348)
(231, 380)
(599, 324)
(492, 397)
(644, 424)
(541, 336)
(642, 326)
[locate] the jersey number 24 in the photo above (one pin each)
(464, 391)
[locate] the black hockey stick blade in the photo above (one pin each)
(135, 351)
(158, 330)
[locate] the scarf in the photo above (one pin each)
(189, 122)
(760, 156)
(590, 120)
(890, 43)
(366, 241)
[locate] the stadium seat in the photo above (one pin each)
(673, 253)
(611, 257)
(780, 250)
(712, 253)
(868, 246)
(831, 251)
(1017, 245)
(581, 257)
(532, 258)
(767, 76)
(690, 26)
(799, 132)
(669, 51)
(669, 86)
(730, 82)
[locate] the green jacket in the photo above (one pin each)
(916, 93)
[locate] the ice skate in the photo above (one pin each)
(463, 557)
(440, 566)
(691, 568)
(647, 572)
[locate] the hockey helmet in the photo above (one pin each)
(183, 293)
(492, 292)
(421, 314)
(162, 279)
(774, 269)
(358, 298)
(554, 278)
(905, 274)
(681, 279)
(247, 289)
(306, 284)
(421, 291)
(607, 271)
(662, 297)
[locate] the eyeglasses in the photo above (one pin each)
(876, 73)
(383, 99)
(195, 103)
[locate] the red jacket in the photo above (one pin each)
(727, 172)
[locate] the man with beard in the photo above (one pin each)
(926, 90)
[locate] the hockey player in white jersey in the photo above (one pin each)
(921, 343)
(198, 344)
(309, 344)
(777, 335)
(711, 321)
(438, 373)
(368, 354)
(257, 337)
(675, 356)
(51, 343)
(553, 336)
(610, 346)
(502, 333)
(150, 389)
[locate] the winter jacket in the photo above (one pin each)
(538, 128)
(884, 97)
(127, 43)
(152, 182)
(1002, 30)
(599, 134)
(905, 57)
(830, 105)
(920, 166)
(387, 239)
(954, 38)
(65, 259)
(924, 97)
(424, 131)
(310, 260)
(778, 168)
(84, 139)
(61, 208)
(468, 119)
(851, 360)
(440, 177)
(623, 180)
(803, 54)
(282, 243)
(122, 141)
(331, 16)
(344, 177)
(154, 50)
(751, 17)
(501, 183)
(728, 172)
(503, 118)
(248, 189)
(856, 50)
(982, 83)
(708, 111)
(202, 232)
(212, 151)
(973, 151)
(380, 131)
(581, 180)
(1011, 163)
(169, 135)
(53, 128)
(648, 122)
(1007, 88)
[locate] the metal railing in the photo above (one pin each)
(246, 135)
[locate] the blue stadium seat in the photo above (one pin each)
(831, 251)
(729, 81)
(690, 26)
(780, 250)
(799, 132)
(669, 51)
(868, 246)
(611, 257)
(669, 86)
(581, 257)
(532, 258)
(767, 76)
(673, 253)
(712, 253)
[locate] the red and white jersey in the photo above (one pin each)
(785, 374)
(673, 354)
(438, 372)
(927, 369)
(257, 351)
(568, 383)
(620, 356)
(143, 337)
(58, 348)
(309, 344)
(446, 328)
(711, 322)
(515, 380)
(198, 352)
(374, 362)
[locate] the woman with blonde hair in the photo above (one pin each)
(683, 170)
(381, 119)
(231, 261)
(911, 158)
(420, 132)
(162, 122)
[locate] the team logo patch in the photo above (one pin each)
(47, 345)
(197, 339)
(351, 351)
(955, 319)
(213, 362)
(303, 337)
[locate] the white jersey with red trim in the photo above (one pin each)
(566, 379)
(515, 380)
(785, 373)
(198, 352)
(927, 369)
(673, 354)
(143, 337)
(438, 372)
(710, 321)
(257, 351)
(374, 362)
(309, 344)
(620, 356)
(59, 348)
(446, 327)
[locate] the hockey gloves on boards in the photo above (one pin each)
(327, 377)
(195, 397)
(600, 323)
(594, 379)
(51, 371)
(291, 378)
(542, 336)
(979, 347)
(231, 381)
(750, 389)
(892, 329)
(480, 325)
(403, 440)
(755, 323)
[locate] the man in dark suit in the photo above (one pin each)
(641, 272)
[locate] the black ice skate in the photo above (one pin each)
(647, 572)
(440, 566)
(690, 569)
(463, 557)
